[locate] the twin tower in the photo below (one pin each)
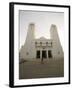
(35, 49)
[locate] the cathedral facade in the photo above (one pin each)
(34, 49)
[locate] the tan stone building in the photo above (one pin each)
(34, 49)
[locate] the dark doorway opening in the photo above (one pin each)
(44, 55)
(50, 54)
(38, 54)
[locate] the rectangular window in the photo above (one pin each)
(49, 53)
(38, 54)
(44, 55)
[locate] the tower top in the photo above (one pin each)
(31, 24)
(53, 27)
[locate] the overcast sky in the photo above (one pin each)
(43, 21)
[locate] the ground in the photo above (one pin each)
(35, 69)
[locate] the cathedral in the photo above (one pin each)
(35, 49)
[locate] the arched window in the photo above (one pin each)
(35, 42)
(27, 53)
(46, 42)
(40, 42)
(51, 43)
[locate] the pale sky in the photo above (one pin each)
(43, 21)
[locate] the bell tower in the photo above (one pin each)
(27, 50)
(54, 33)
(30, 34)
(57, 48)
